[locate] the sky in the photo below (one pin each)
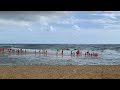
(59, 27)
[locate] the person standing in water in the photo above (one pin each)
(77, 53)
(25, 51)
(71, 53)
(39, 51)
(21, 51)
(46, 52)
(88, 53)
(62, 51)
(57, 52)
(74, 54)
(17, 51)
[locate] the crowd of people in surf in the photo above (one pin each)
(44, 51)
(78, 53)
(21, 51)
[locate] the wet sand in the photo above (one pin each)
(60, 72)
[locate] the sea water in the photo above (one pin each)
(108, 54)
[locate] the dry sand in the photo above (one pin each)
(60, 72)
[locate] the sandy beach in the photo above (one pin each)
(60, 72)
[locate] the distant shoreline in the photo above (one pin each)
(60, 72)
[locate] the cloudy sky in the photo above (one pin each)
(60, 27)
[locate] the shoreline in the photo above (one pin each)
(60, 72)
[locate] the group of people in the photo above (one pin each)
(16, 51)
(30, 52)
(22, 51)
(44, 51)
(90, 54)
(58, 51)
(78, 53)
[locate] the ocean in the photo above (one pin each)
(108, 54)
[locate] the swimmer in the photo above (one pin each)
(87, 52)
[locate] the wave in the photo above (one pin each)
(116, 48)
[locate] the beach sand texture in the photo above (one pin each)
(60, 72)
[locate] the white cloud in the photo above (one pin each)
(12, 22)
(76, 27)
(51, 28)
(43, 20)
(69, 20)
(29, 17)
(111, 11)
(109, 14)
(112, 27)
(110, 19)
(48, 28)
